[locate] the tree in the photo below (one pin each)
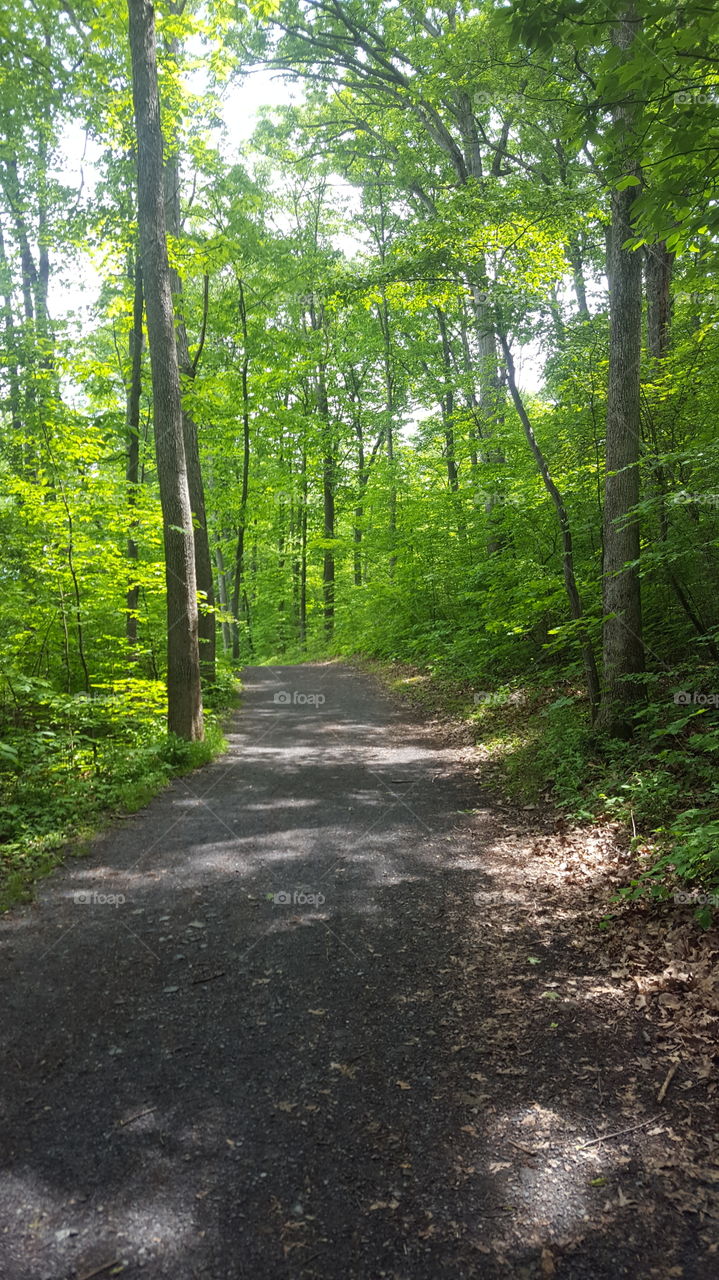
(623, 648)
(183, 664)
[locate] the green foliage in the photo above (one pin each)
(368, 481)
(69, 761)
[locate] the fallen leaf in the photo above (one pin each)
(548, 1265)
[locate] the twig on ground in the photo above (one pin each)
(667, 1081)
(88, 1275)
(619, 1133)
(122, 1123)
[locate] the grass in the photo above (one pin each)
(68, 764)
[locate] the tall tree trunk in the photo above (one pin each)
(224, 599)
(207, 627)
(132, 472)
(10, 177)
(238, 577)
(659, 262)
(34, 350)
(623, 651)
(580, 288)
(447, 406)
(13, 375)
(183, 660)
(383, 310)
(328, 505)
(317, 321)
(658, 274)
(359, 514)
(356, 406)
(303, 553)
(470, 394)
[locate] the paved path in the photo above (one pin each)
(288, 1050)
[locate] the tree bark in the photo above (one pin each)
(183, 662)
(328, 505)
(132, 471)
(580, 288)
(317, 322)
(13, 373)
(447, 407)
(383, 312)
(224, 599)
(238, 577)
(303, 553)
(659, 262)
(356, 403)
(207, 628)
(623, 650)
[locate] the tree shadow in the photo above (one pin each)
(303, 1044)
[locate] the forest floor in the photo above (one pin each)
(325, 1009)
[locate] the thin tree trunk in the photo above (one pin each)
(183, 660)
(356, 405)
(328, 505)
(238, 578)
(359, 514)
(13, 375)
(303, 554)
(76, 593)
(132, 472)
(623, 656)
(475, 434)
(658, 274)
(28, 270)
(224, 599)
(447, 406)
(390, 411)
(580, 288)
(570, 582)
(317, 321)
(658, 265)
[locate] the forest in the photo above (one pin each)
(357, 328)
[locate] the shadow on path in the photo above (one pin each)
(263, 1032)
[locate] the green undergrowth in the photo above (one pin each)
(69, 762)
(537, 746)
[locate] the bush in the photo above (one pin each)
(69, 760)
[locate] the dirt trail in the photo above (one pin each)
(299, 1018)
